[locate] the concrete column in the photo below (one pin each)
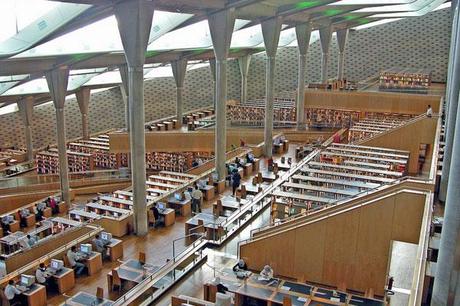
(83, 96)
(212, 68)
(452, 94)
(244, 62)
(271, 32)
(342, 37)
(134, 23)
(26, 109)
(179, 69)
(303, 33)
(221, 26)
(446, 290)
(325, 35)
(57, 80)
(124, 88)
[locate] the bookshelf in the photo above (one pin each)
(406, 79)
(47, 162)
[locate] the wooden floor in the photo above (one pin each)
(158, 247)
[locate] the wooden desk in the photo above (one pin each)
(184, 206)
(247, 169)
(62, 207)
(131, 271)
(47, 212)
(210, 224)
(269, 177)
(85, 299)
(94, 263)
(209, 192)
(14, 226)
(30, 220)
(169, 216)
(220, 186)
(65, 279)
(115, 249)
(256, 165)
(35, 295)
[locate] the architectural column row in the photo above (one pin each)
(26, 110)
(83, 96)
(179, 68)
(446, 289)
(303, 33)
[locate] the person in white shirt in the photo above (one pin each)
(267, 272)
(429, 111)
(41, 276)
(196, 199)
(11, 292)
(73, 258)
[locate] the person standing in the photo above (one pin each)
(236, 180)
(196, 199)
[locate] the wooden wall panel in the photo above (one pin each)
(408, 137)
(309, 252)
(340, 246)
(373, 246)
(350, 248)
(371, 101)
(408, 216)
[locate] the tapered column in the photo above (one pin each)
(446, 289)
(83, 96)
(212, 69)
(124, 88)
(57, 83)
(452, 90)
(303, 33)
(134, 23)
(325, 35)
(271, 32)
(244, 62)
(179, 69)
(221, 27)
(342, 37)
(26, 109)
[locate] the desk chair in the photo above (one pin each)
(150, 217)
(142, 257)
(287, 301)
(100, 293)
(66, 261)
(243, 192)
(116, 281)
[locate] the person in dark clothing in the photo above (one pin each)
(240, 266)
(159, 220)
(236, 180)
(220, 287)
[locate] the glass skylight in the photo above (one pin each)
(412, 6)
(102, 36)
(7, 82)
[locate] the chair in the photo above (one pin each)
(66, 261)
(287, 301)
(116, 281)
(100, 292)
(151, 217)
(142, 257)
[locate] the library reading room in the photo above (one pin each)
(229, 152)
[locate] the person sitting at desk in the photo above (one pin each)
(40, 210)
(12, 293)
(159, 219)
(429, 111)
(238, 162)
(267, 272)
(221, 288)
(196, 199)
(74, 259)
(100, 245)
(41, 275)
(249, 157)
(236, 181)
(53, 205)
(240, 266)
(31, 240)
(23, 214)
(5, 225)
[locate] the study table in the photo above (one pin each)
(269, 176)
(82, 215)
(116, 202)
(204, 222)
(115, 249)
(132, 271)
(65, 279)
(128, 195)
(35, 295)
(156, 191)
(227, 203)
(169, 215)
(93, 263)
(274, 291)
(208, 191)
(184, 206)
(85, 299)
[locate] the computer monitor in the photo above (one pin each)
(27, 280)
(57, 264)
(85, 248)
(160, 205)
(178, 196)
(106, 236)
(115, 214)
(223, 299)
(202, 183)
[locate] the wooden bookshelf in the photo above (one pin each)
(404, 80)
